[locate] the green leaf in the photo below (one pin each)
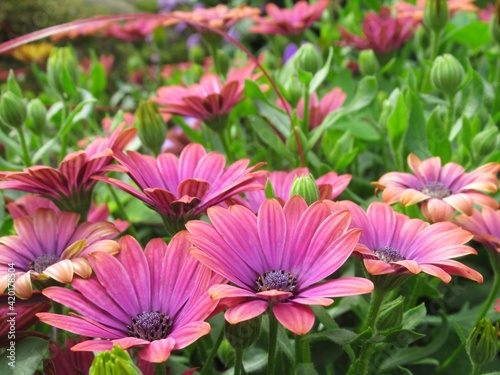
(460, 333)
(439, 145)
(472, 35)
(321, 74)
(415, 137)
(98, 78)
(306, 369)
(275, 115)
(285, 344)
(404, 370)
(337, 335)
(323, 317)
(269, 136)
(360, 129)
(414, 316)
(402, 338)
(28, 354)
(397, 123)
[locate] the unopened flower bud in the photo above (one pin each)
(196, 55)
(368, 63)
(152, 128)
(436, 14)
(242, 335)
(482, 342)
(37, 114)
(114, 362)
(485, 141)
(13, 109)
(62, 70)
(447, 74)
(308, 59)
(306, 187)
(294, 92)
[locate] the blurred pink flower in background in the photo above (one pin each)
(107, 62)
(485, 226)
(440, 190)
(416, 12)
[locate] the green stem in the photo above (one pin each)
(417, 285)
(224, 137)
(64, 141)
(451, 115)
(475, 369)
(495, 263)
(210, 358)
(302, 350)
(305, 110)
(238, 361)
(435, 36)
(24, 147)
(159, 368)
(496, 102)
(273, 338)
(122, 211)
(215, 57)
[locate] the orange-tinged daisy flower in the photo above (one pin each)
(440, 190)
(404, 9)
(32, 53)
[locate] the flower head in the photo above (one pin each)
(70, 186)
(484, 225)
(392, 243)
(416, 12)
(381, 32)
(135, 30)
(440, 189)
(51, 245)
(210, 100)
(289, 21)
(154, 299)
(182, 188)
(277, 258)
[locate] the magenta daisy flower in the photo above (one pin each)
(70, 186)
(392, 243)
(54, 246)
(485, 226)
(277, 258)
(440, 189)
(330, 186)
(182, 188)
(154, 299)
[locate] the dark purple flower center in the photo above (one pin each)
(389, 254)
(150, 326)
(436, 189)
(279, 280)
(43, 261)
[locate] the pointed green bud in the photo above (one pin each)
(117, 361)
(13, 109)
(242, 335)
(306, 187)
(37, 113)
(12, 84)
(196, 55)
(269, 190)
(482, 342)
(368, 63)
(308, 59)
(391, 315)
(485, 141)
(62, 71)
(152, 129)
(293, 92)
(447, 74)
(436, 14)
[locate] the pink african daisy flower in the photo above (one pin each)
(70, 186)
(416, 12)
(319, 109)
(182, 188)
(289, 22)
(440, 190)
(381, 32)
(277, 258)
(154, 299)
(136, 30)
(209, 101)
(330, 186)
(51, 245)
(485, 226)
(392, 243)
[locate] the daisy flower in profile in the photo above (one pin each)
(416, 11)
(51, 245)
(182, 188)
(392, 243)
(277, 258)
(440, 190)
(70, 186)
(289, 22)
(485, 226)
(330, 186)
(154, 299)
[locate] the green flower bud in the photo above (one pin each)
(306, 187)
(242, 335)
(482, 342)
(114, 362)
(294, 92)
(368, 63)
(308, 59)
(37, 114)
(447, 74)
(62, 71)
(12, 84)
(436, 14)
(485, 141)
(391, 315)
(196, 55)
(291, 142)
(269, 189)
(13, 109)
(152, 129)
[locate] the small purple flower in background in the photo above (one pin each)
(277, 259)
(290, 50)
(155, 299)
